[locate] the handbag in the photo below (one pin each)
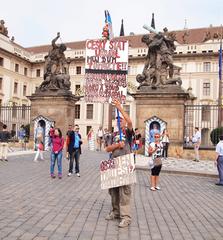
(157, 161)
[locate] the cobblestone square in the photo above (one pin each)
(34, 206)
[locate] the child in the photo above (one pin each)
(39, 151)
(57, 153)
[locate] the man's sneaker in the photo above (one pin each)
(157, 188)
(59, 175)
(69, 174)
(152, 189)
(111, 216)
(52, 175)
(6, 160)
(78, 175)
(124, 223)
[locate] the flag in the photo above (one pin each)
(220, 61)
(109, 22)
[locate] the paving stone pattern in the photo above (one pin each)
(34, 206)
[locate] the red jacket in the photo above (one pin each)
(57, 143)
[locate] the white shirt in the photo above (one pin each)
(100, 133)
(197, 137)
(219, 148)
(165, 139)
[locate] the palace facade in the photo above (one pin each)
(21, 72)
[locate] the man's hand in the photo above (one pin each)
(117, 104)
(121, 144)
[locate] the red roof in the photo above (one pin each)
(186, 36)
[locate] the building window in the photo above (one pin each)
(88, 129)
(24, 90)
(15, 88)
(1, 61)
(206, 113)
(25, 71)
(77, 87)
(37, 72)
(16, 67)
(1, 80)
(14, 110)
(127, 109)
(89, 111)
(206, 89)
(207, 66)
(23, 111)
(113, 112)
(77, 111)
(78, 70)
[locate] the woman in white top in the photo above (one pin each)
(219, 160)
(165, 142)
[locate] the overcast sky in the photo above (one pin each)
(36, 22)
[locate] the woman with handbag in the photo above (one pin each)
(155, 151)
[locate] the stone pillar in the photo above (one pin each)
(166, 105)
(58, 107)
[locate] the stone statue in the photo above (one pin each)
(3, 29)
(56, 69)
(159, 69)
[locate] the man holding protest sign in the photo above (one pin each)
(119, 145)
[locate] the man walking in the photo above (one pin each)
(196, 142)
(4, 138)
(74, 150)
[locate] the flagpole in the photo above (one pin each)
(220, 83)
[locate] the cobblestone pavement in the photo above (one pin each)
(203, 167)
(34, 206)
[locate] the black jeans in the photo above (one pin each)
(74, 155)
(165, 149)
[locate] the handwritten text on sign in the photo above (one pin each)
(117, 172)
(106, 67)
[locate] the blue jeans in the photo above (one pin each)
(75, 155)
(54, 157)
(220, 168)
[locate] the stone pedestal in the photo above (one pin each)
(59, 107)
(166, 104)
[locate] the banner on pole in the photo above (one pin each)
(106, 68)
(118, 172)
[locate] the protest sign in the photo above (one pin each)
(106, 67)
(118, 171)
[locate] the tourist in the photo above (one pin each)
(137, 142)
(21, 136)
(4, 138)
(40, 148)
(74, 150)
(120, 196)
(57, 153)
(91, 140)
(219, 160)
(196, 140)
(155, 151)
(100, 135)
(165, 143)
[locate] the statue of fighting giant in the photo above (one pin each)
(159, 69)
(56, 69)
